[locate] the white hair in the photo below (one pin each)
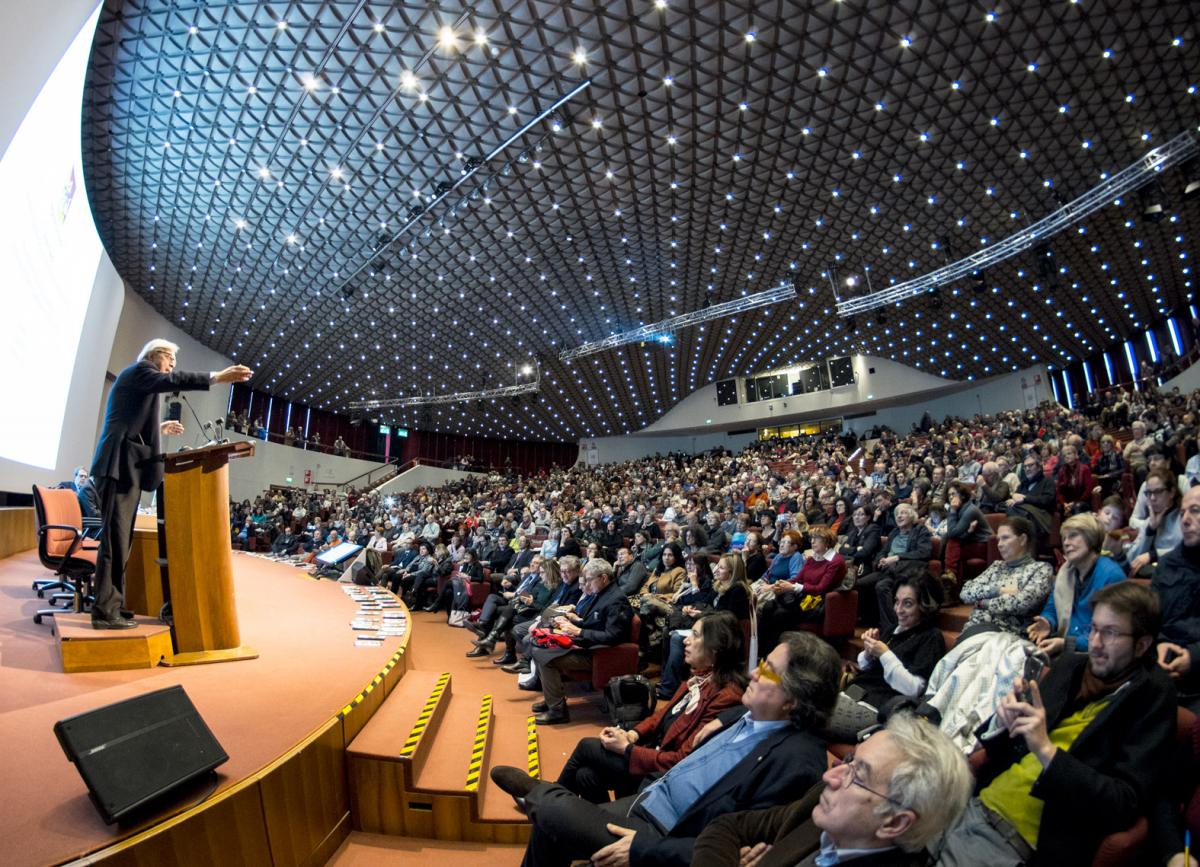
(932, 780)
(157, 345)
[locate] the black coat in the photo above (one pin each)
(783, 763)
(861, 546)
(1106, 779)
(130, 444)
(1177, 584)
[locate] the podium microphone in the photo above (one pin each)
(203, 424)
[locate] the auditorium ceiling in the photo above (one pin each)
(273, 178)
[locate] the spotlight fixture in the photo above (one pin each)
(1191, 179)
(1153, 202)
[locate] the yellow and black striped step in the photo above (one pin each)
(514, 741)
(401, 727)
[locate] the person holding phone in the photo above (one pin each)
(1078, 755)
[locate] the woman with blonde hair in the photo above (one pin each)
(732, 595)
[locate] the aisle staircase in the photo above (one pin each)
(419, 767)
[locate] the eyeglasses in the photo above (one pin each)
(1108, 633)
(765, 673)
(1154, 492)
(848, 762)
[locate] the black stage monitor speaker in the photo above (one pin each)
(135, 751)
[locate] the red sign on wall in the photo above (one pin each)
(308, 477)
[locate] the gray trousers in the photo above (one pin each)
(974, 839)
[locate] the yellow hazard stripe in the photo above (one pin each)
(369, 688)
(535, 767)
(418, 729)
(479, 746)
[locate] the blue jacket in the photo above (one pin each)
(1105, 572)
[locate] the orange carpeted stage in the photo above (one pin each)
(285, 796)
(263, 711)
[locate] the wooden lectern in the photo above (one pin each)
(198, 569)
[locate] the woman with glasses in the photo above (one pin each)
(1162, 530)
(896, 662)
(620, 760)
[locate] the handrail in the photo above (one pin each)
(390, 465)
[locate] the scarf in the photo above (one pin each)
(1092, 687)
(692, 700)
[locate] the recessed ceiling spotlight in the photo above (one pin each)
(447, 38)
(579, 57)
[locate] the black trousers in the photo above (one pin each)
(567, 828)
(118, 509)
(592, 771)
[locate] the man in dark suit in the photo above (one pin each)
(606, 619)
(879, 807)
(754, 757)
(128, 460)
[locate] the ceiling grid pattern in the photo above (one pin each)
(251, 166)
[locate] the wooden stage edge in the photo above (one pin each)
(294, 812)
(18, 530)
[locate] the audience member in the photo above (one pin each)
(879, 807)
(1014, 589)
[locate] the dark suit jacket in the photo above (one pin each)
(130, 446)
(1106, 779)
(790, 831)
(607, 621)
(783, 763)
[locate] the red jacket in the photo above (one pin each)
(818, 577)
(677, 741)
(1073, 487)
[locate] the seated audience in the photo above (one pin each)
(621, 760)
(861, 542)
(605, 619)
(908, 551)
(1073, 482)
(1014, 589)
(1176, 582)
(1161, 532)
(1066, 620)
(1076, 756)
(630, 573)
(803, 601)
(757, 759)
(732, 594)
(879, 807)
(567, 596)
(965, 525)
(897, 662)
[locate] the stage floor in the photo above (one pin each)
(308, 669)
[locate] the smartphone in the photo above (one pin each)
(1034, 666)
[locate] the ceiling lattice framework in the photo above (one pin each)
(243, 159)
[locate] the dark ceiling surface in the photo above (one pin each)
(252, 165)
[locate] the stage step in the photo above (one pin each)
(420, 766)
(372, 850)
(514, 742)
(403, 727)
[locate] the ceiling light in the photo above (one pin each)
(481, 38)
(408, 80)
(579, 57)
(447, 38)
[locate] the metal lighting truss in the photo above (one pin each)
(445, 191)
(458, 397)
(656, 330)
(1125, 181)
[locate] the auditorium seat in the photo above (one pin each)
(614, 661)
(841, 612)
(63, 548)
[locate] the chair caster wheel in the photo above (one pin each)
(37, 618)
(41, 594)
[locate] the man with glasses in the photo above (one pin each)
(1034, 496)
(1077, 756)
(879, 807)
(128, 460)
(605, 619)
(760, 755)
